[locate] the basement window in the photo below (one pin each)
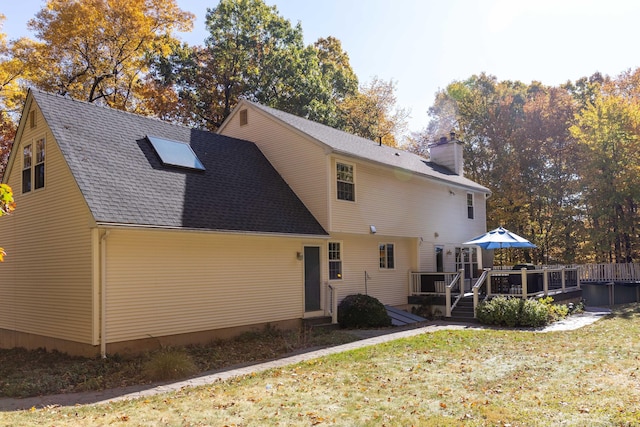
(174, 153)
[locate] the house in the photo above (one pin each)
(132, 233)
(388, 212)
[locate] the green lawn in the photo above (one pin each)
(586, 377)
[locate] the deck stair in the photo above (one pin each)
(463, 311)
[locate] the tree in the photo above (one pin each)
(7, 205)
(254, 53)
(12, 69)
(607, 131)
(372, 113)
(517, 143)
(97, 50)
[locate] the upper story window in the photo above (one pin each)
(335, 261)
(470, 205)
(33, 173)
(27, 158)
(345, 183)
(387, 256)
(39, 168)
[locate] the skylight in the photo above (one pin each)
(174, 153)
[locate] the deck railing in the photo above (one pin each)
(521, 283)
(429, 283)
(628, 272)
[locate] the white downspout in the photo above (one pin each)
(103, 295)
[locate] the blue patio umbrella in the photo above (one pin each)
(500, 238)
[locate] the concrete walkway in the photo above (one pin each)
(368, 338)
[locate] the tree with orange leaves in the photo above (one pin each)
(97, 50)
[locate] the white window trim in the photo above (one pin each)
(36, 163)
(341, 260)
(386, 244)
(335, 179)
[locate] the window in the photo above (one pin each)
(345, 187)
(39, 168)
(175, 153)
(32, 119)
(440, 258)
(469, 205)
(386, 256)
(26, 168)
(244, 119)
(335, 261)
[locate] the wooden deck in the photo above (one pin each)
(561, 282)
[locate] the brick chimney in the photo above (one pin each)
(448, 152)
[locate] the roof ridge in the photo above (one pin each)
(112, 109)
(277, 112)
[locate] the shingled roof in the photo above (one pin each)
(125, 183)
(351, 145)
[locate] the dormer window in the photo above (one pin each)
(345, 182)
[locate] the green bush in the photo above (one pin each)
(520, 312)
(362, 311)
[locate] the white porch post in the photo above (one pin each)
(475, 301)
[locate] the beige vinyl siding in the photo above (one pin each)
(170, 282)
(360, 254)
(46, 286)
(398, 203)
(301, 162)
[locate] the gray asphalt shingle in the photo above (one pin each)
(352, 145)
(124, 182)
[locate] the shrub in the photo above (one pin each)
(519, 312)
(169, 364)
(362, 311)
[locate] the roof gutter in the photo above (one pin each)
(113, 225)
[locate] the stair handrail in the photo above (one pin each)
(482, 281)
(459, 279)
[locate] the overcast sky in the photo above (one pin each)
(423, 45)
